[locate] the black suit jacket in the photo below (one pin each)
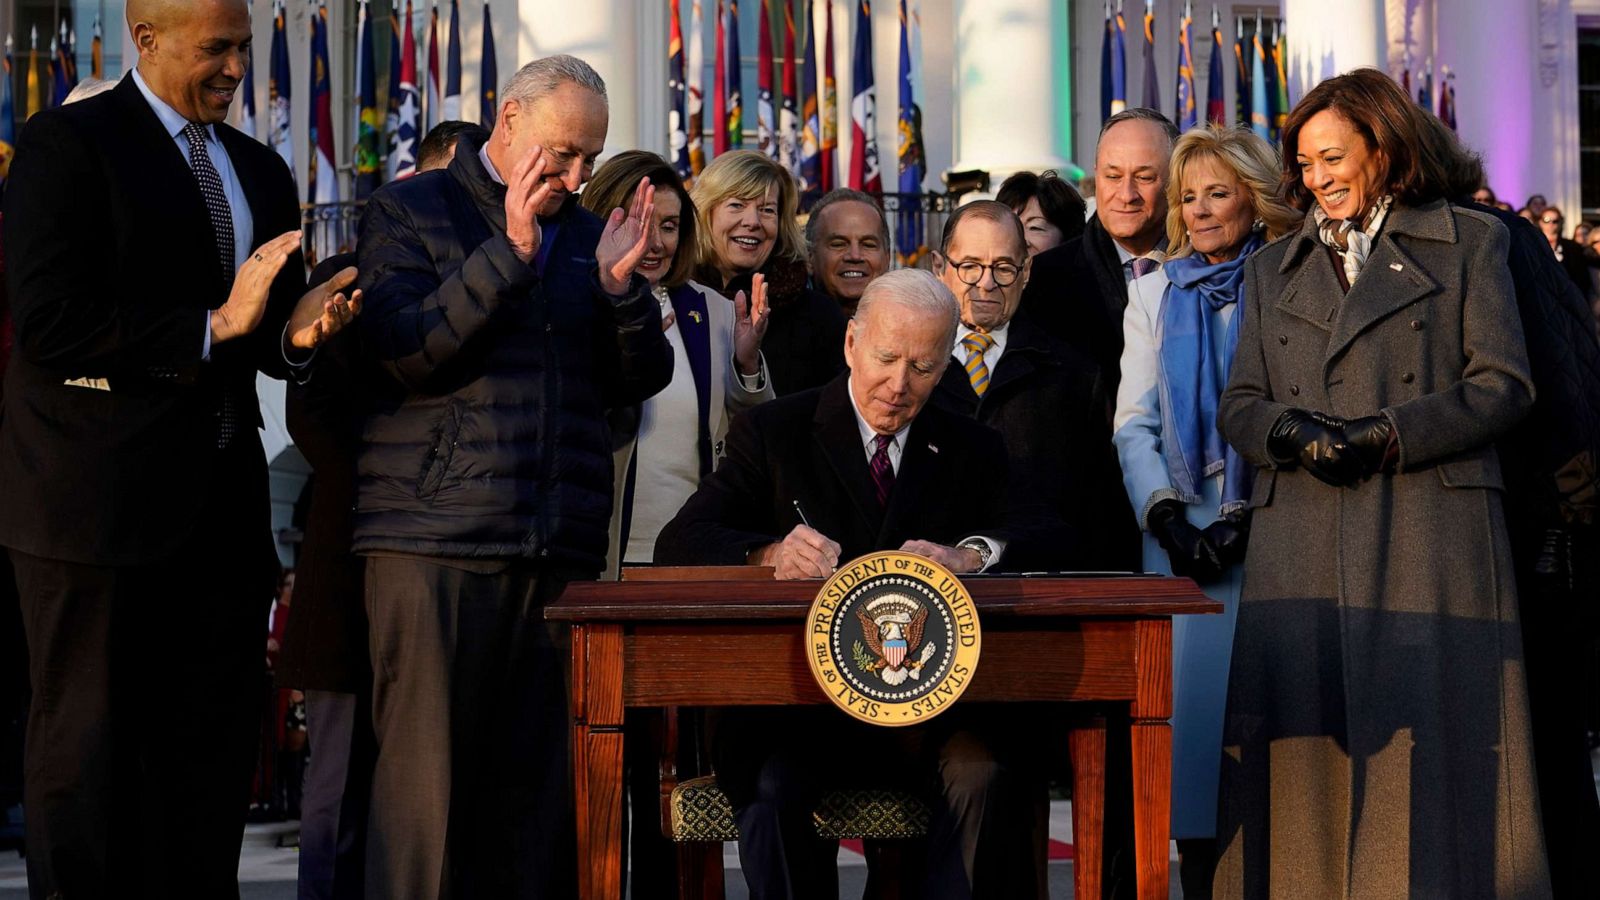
(111, 267)
(1576, 264)
(1048, 403)
(953, 483)
(1076, 292)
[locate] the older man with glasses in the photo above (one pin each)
(1047, 400)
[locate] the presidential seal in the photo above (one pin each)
(893, 638)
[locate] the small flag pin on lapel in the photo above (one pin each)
(1397, 267)
(933, 448)
(695, 315)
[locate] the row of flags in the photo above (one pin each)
(1261, 98)
(1447, 91)
(385, 145)
(796, 119)
(46, 86)
(1262, 88)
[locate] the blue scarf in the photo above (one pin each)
(1191, 378)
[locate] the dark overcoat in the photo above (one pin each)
(1376, 742)
(1048, 402)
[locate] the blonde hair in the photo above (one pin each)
(1252, 160)
(746, 175)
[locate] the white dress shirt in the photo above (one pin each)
(869, 437)
(991, 356)
(488, 164)
(1158, 255)
(869, 446)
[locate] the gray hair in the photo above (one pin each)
(1142, 114)
(917, 290)
(542, 76)
(990, 210)
(841, 195)
(88, 88)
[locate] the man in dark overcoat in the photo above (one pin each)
(1077, 292)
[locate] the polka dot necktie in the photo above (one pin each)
(216, 201)
(977, 344)
(883, 469)
(222, 227)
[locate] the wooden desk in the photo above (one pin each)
(677, 641)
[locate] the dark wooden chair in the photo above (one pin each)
(696, 815)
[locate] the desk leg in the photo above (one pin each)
(1086, 745)
(1151, 741)
(597, 758)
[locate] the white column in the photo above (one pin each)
(1009, 116)
(607, 35)
(1521, 113)
(1328, 38)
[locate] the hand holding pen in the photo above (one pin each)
(804, 553)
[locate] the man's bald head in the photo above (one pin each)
(192, 53)
(162, 13)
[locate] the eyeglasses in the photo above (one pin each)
(1556, 221)
(1005, 274)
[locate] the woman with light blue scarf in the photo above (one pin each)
(1186, 484)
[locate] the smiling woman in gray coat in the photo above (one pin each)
(1376, 742)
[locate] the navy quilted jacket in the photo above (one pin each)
(1551, 459)
(493, 443)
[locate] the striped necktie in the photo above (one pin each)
(228, 416)
(882, 469)
(977, 344)
(1142, 266)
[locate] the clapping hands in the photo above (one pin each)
(324, 311)
(750, 319)
(628, 234)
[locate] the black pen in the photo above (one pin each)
(802, 513)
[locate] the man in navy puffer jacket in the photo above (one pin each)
(508, 319)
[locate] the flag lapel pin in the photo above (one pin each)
(695, 315)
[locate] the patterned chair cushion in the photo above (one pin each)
(701, 812)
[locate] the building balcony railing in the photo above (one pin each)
(330, 228)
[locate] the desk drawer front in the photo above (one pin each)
(743, 664)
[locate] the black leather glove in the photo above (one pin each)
(1188, 548)
(1372, 440)
(1229, 535)
(1318, 443)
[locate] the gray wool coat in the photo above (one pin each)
(1376, 742)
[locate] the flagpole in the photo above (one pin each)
(694, 89)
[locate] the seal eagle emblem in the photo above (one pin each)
(891, 626)
(893, 638)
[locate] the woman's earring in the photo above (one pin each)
(1258, 225)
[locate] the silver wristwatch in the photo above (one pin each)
(980, 547)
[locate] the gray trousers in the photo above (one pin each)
(471, 794)
(336, 795)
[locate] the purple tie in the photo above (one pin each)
(882, 469)
(1142, 266)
